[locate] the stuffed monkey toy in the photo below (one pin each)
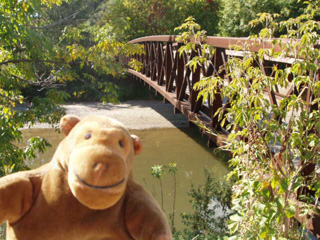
(86, 192)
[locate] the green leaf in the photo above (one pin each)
(235, 218)
(263, 233)
(274, 182)
(283, 187)
(290, 211)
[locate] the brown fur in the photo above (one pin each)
(87, 191)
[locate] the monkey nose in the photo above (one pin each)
(100, 169)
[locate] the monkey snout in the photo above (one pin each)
(100, 170)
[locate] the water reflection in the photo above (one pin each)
(161, 147)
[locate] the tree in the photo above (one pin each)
(138, 18)
(236, 15)
(44, 44)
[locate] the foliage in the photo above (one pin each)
(157, 171)
(11, 120)
(3, 231)
(172, 169)
(43, 45)
(268, 140)
(89, 45)
(193, 37)
(138, 18)
(211, 204)
(210, 201)
(237, 14)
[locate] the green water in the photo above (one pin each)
(185, 147)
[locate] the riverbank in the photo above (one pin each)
(135, 114)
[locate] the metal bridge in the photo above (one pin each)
(167, 73)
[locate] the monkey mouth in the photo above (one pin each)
(99, 187)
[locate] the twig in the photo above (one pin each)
(70, 17)
(30, 60)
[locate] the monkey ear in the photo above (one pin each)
(137, 144)
(67, 122)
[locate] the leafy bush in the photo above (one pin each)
(211, 204)
(273, 143)
(210, 201)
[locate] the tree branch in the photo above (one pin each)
(29, 60)
(47, 83)
(9, 98)
(70, 17)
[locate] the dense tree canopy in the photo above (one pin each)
(44, 44)
(130, 19)
(135, 18)
(237, 14)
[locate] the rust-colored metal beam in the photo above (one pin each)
(220, 42)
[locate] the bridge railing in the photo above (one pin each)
(165, 70)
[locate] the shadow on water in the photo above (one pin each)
(181, 121)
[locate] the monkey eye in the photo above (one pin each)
(121, 143)
(88, 135)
